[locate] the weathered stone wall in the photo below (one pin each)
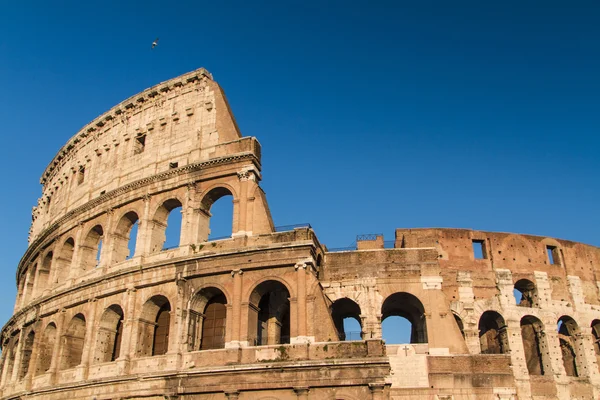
(259, 315)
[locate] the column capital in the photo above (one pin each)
(232, 394)
(377, 387)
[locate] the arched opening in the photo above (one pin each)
(44, 273)
(21, 289)
(217, 222)
(173, 229)
(207, 320)
(525, 293)
(409, 308)
(568, 340)
(154, 326)
(11, 356)
(45, 349)
(29, 282)
(72, 342)
(269, 314)
(596, 335)
(166, 230)
(534, 344)
(459, 323)
(91, 248)
(26, 355)
(493, 337)
(346, 317)
(64, 260)
(125, 237)
(110, 332)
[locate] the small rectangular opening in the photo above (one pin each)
(81, 175)
(139, 144)
(173, 165)
(553, 256)
(479, 249)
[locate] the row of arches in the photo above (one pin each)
(493, 338)
(399, 309)
(205, 319)
(78, 253)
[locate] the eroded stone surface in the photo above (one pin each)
(259, 314)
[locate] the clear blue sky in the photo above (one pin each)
(481, 115)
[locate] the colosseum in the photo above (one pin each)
(261, 313)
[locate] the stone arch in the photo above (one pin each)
(209, 197)
(407, 306)
(528, 292)
(44, 272)
(340, 310)
(570, 346)
(279, 279)
(459, 323)
(596, 334)
(46, 348)
(160, 219)
(29, 277)
(9, 364)
(110, 334)
(154, 326)
(90, 248)
(26, 353)
(269, 313)
(537, 356)
(73, 341)
(64, 260)
(121, 237)
(207, 319)
(516, 249)
(493, 337)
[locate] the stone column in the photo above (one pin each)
(187, 217)
(243, 176)
(88, 342)
(75, 265)
(18, 356)
(56, 356)
(145, 228)
(107, 238)
(128, 326)
(585, 342)
(179, 315)
(35, 353)
(301, 295)
(235, 320)
(377, 391)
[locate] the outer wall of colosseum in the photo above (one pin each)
(258, 315)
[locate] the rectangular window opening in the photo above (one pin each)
(139, 144)
(81, 175)
(173, 165)
(479, 249)
(553, 256)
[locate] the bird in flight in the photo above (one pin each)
(155, 43)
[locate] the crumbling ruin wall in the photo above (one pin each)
(103, 312)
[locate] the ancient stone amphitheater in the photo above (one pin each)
(260, 314)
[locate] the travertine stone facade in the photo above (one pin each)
(259, 315)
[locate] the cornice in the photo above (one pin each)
(43, 236)
(125, 106)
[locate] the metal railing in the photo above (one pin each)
(337, 249)
(284, 228)
(368, 236)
